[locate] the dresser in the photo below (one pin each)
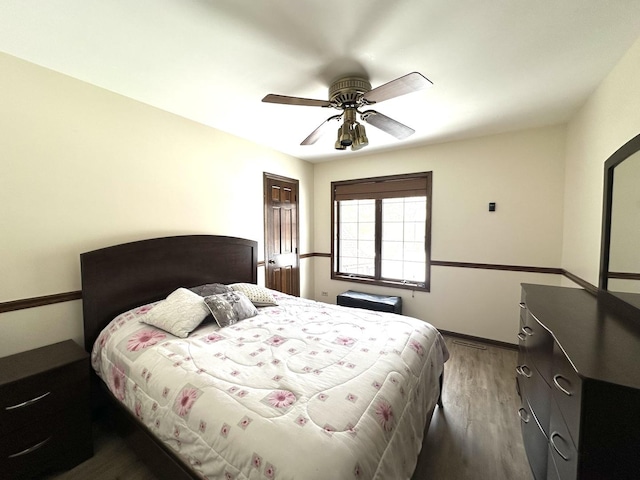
(578, 377)
(45, 421)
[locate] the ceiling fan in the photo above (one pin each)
(351, 94)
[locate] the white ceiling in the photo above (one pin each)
(496, 65)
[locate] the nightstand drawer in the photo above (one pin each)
(45, 413)
(42, 394)
(56, 443)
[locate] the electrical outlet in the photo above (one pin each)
(325, 294)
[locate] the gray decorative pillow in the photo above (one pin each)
(211, 289)
(259, 296)
(179, 314)
(229, 308)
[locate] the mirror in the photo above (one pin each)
(624, 246)
(620, 256)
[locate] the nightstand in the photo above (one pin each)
(45, 411)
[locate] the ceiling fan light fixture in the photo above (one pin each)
(344, 135)
(356, 145)
(339, 145)
(360, 136)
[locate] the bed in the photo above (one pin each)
(297, 390)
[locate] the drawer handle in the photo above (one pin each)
(30, 449)
(28, 402)
(553, 444)
(520, 370)
(522, 337)
(560, 387)
(527, 331)
(522, 305)
(524, 415)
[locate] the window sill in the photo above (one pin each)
(385, 283)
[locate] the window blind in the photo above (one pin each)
(397, 188)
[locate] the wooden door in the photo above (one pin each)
(282, 258)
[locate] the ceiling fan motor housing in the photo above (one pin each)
(348, 91)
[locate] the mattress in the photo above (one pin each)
(304, 390)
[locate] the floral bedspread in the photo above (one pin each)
(305, 390)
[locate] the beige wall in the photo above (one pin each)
(83, 168)
(522, 172)
(540, 220)
(609, 119)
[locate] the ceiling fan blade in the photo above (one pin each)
(309, 102)
(412, 82)
(386, 124)
(318, 132)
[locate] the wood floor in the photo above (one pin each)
(476, 435)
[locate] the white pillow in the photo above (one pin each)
(259, 296)
(179, 314)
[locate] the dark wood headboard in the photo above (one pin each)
(118, 278)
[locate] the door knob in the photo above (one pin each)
(272, 262)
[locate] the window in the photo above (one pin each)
(381, 230)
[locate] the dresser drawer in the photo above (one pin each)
(535, 442)
(562, 447)
(522, 355)
(522, 337)
(523, 308)
(42, 394)
(567, 392)
(538, 342)
(552, 470)
(536, 391)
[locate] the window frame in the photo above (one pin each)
(376, 280)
